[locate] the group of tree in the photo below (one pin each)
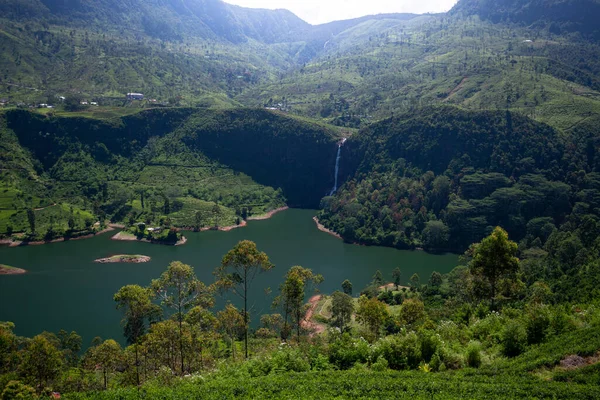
(477, 313)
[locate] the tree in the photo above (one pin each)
(415, 281)
(371, 313)
(179, 289)
(436, 279)
(272, 325)
(217, 213)
(436, 235)
(238, 269)
(136, 304)
(203, 324)
(71, 223)
(293, 293)
(397, 275)
(347, 287)
(17, 391)
(73, 102)
(412, 310)
(70, 345)
(107, 356)
(31, 219)
(231, 322)
(199, 219)
(41, 361)
(493, 259)
(378, 278)
(166, 205)
(342, 307)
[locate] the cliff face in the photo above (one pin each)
(272, 149)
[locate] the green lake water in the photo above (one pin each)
(65, 289)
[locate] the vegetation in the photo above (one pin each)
(161, 168)
(473, 131)
(440, 339)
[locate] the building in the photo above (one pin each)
(135, 96)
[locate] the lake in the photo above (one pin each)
(65, 289)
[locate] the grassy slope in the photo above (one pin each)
(505, 378)
(374, 70)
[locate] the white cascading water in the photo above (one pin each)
(337, 167)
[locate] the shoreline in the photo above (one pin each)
(322, 228)
(242, 224)
(112, 227)
(129, 237)
(268, 215)
(123, 258)
(8, 270)
(19, 243)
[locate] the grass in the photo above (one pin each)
(357, 385)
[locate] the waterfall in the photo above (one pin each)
(337, 167)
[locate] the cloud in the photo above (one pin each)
(322, 11)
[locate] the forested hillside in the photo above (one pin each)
(473, 132)
(162, 166)
(443, 178)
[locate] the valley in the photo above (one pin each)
(397, 205)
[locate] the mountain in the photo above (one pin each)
(558, 16)
(209, 19)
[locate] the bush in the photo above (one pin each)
(488, 329)
(429, 345)
(17, 390)
(538, 324)
(474, 354)
(401, 352)
(514, 339)
(380, 365)
(345, 351)
(288, 360)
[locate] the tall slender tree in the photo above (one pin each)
(238, 269)
(179, 290)
(293, 293)
(494, 259)
(397, 275)
(231, 321)
(138, 310)
(342, 307)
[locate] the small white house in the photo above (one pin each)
(135, 96)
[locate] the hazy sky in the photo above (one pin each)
(321, 11)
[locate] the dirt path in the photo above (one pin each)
(307, 323)
(43, 208)
(457, 88)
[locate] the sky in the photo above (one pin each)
(322, 11)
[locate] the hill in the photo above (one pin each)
(577, 16)
(442, 178)
(160, 165)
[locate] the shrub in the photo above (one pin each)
(345, 351)
(488, 329)
(538, 323)
(514, 339)
(380, 365)
(288, 360)
(401, 352)
(474, 354)
(429, 345)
